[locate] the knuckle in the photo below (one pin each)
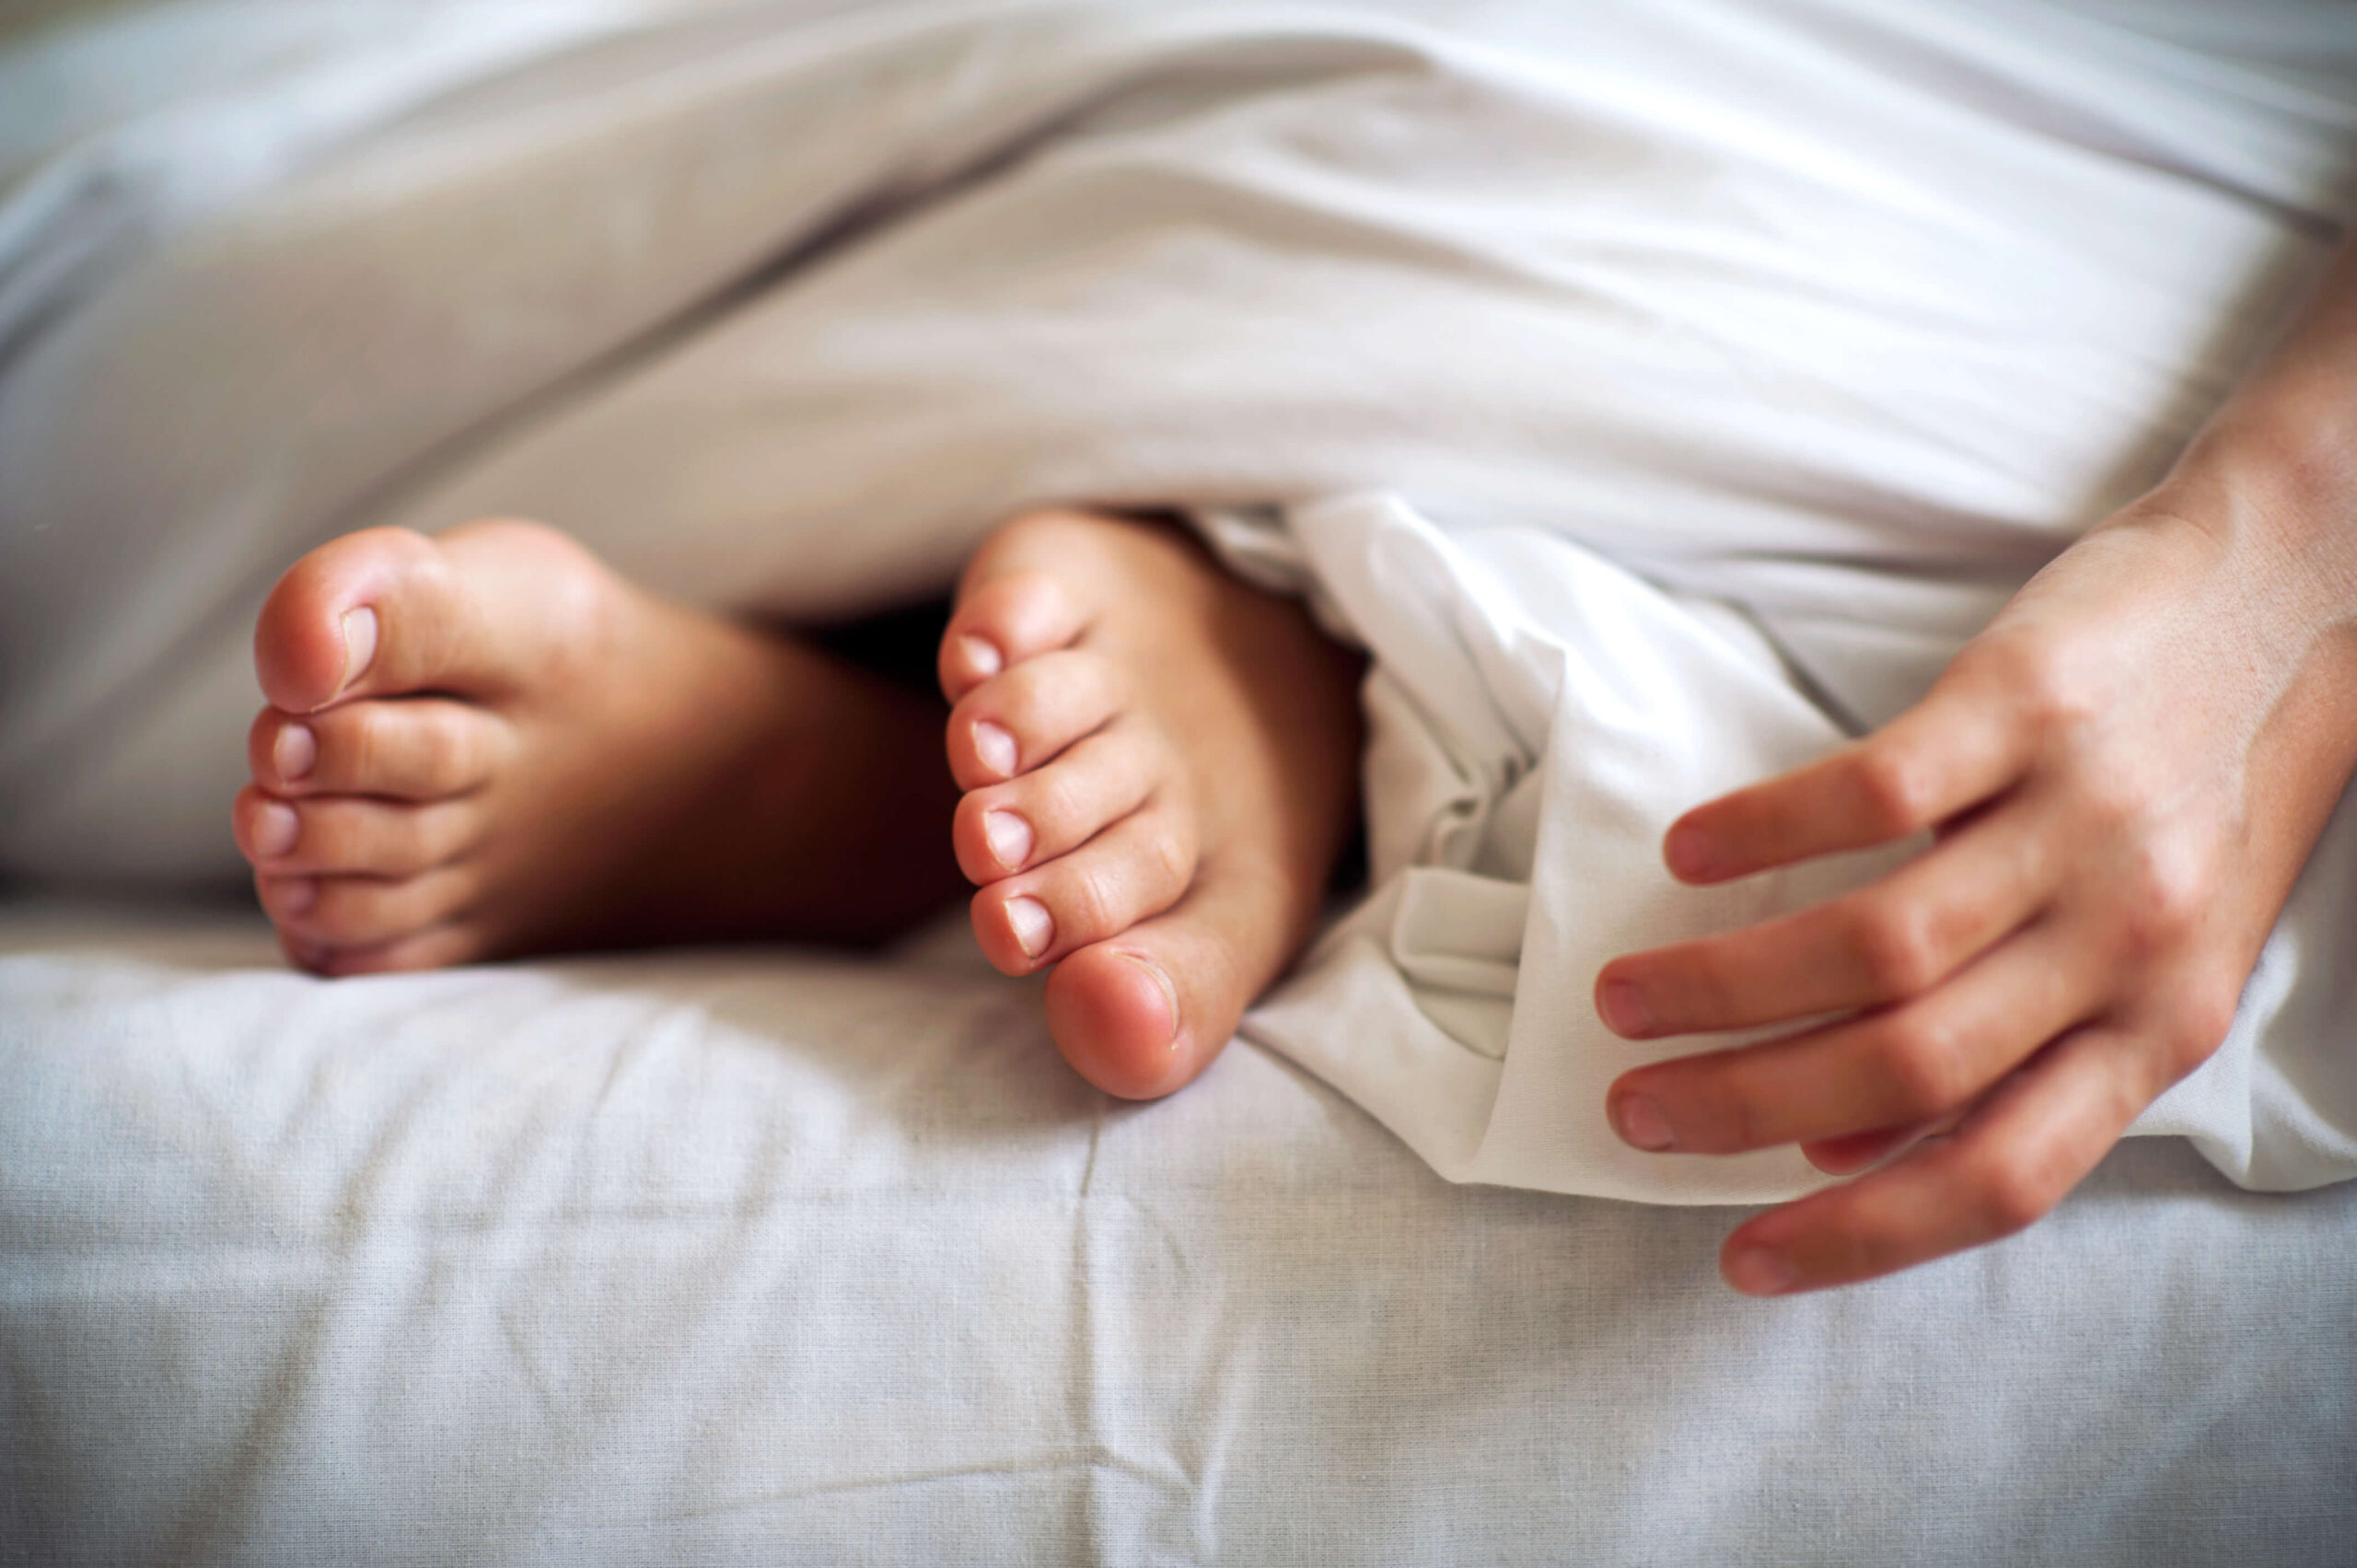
(1058, 805)
(2168, 892)
(2015, 1195)
(456, 753)
(1897, 947)
(1109, 681)
(1169, 853)
(2040, 676)
(362, 742)
(439, 835)
(2197, 1018)
(1894, 789)
(1090, 899)
(1926, 1069)
(1023, 700)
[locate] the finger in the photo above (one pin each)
(1896, 1067)
(1884, 943)
(1854, 1151)
(2010, 1162)
(1962, 743)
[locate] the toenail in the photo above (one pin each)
(995, 747)
(1169, 992)
(275, 828)
(295, 752)
(1033, 926)
(359, 645)
(1009, 837)
(981, 654)
(293, 895)
(1642, 1124)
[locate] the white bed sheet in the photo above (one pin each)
(1830, 320)
(766, 1256)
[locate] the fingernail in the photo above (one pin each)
(1033, 926)
(1009, 837)
(1623, 1006)
(293, 895)
(275, 828)
(1760, 1270)
(981, 654)
(995, 747)
(1642, 1124)
(1686, 851)
(1169, 992)
(295, 752)
(359, 645)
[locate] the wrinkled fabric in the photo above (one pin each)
(1661, 392)
(758, 1257)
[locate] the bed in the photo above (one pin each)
(766, 1254)
(778, 1256)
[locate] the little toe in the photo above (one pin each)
(436, 946)
(1006, 827)
(1134, 869)
(1142, 1015)
(335, 834)
(340, 913)
(1018, 719)
(1002, 622)
(416, 748)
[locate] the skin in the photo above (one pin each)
(1145, 813)
(486, 743)
(2124, 774)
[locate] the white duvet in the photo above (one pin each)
(1661, 391)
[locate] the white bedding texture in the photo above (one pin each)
(1659, 392)
(760, 1257)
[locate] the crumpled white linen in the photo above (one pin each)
(760, 1257)
(1538, 718)
(1662, 391)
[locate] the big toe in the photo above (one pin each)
(387, 611)
(1141, 1015)
(323, 625)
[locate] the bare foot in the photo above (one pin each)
(486, 743)
(1161, 767)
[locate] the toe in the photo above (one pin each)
(326, 914)
(1142, 1015)
(1114, 1012)
(434, 947)
(333, 834)
(417, 748)
(1054, 809)
(1018, 719)
(1135, 869)
(323, 628)
(1002, 622)
(386, 611)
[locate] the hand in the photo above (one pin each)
(2123, 775)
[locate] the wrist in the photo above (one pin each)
(2272, 482)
